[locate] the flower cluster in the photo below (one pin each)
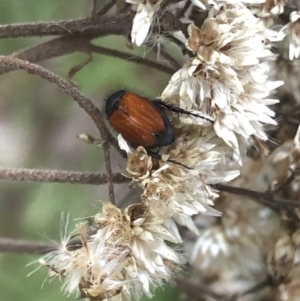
(251, 242)
(226, 78)
(226, 82)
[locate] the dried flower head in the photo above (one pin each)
(126, 254)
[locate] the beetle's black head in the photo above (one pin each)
(112, 102)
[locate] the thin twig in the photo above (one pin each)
(172, 23)
(94, 9)
(264, 198)
(182, 11)
(79, 66)
(167, 57)
(84, 102)
(56, 176)
(288, 181)
(131, 58)
(25, 246)
(177, 42)
(106, 7)
(257, 287)
(33, 247)
(170, 59)
(258, 196)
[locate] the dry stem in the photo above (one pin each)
(57, 176)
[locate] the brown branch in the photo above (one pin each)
(265, 198)
(270, 198)
(33, 247)
(89, 27)
(78, 67)
(182, 11)
(288, 181)
(170, 59)
(67, 45)
(49, 50)
(113, 141)
(84, 102)
(25, 246)
(255, 195)
(94, 9)
(106, 7)
(56, 176)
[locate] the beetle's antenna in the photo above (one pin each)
(181, 111)
(158, 156)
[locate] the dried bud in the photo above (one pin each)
(87, 138)
(139, 164)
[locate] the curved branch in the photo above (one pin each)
(56, 176)
(49, 50)
(92, 27)
(84, 102)
(67, 45)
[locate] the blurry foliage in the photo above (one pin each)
(38, 128)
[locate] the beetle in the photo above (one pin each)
(141, 121)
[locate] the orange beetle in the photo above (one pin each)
(142, 122)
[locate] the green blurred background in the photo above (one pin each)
(38, 128)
